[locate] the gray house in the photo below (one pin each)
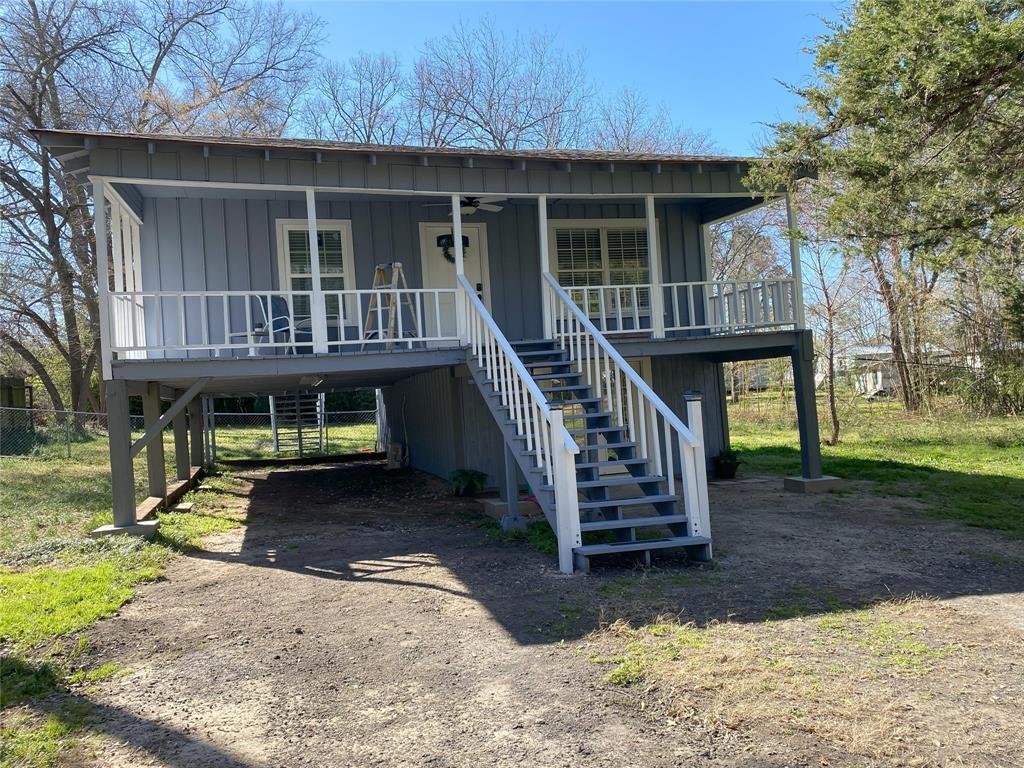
(551, 323)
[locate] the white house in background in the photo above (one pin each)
(555, 311)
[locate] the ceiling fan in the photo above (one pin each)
(471, 205)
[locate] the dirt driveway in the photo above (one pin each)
(364, 619)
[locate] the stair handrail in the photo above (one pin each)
(600, 362)
(547, 438)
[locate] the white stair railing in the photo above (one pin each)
(633, 404)
(547, 440)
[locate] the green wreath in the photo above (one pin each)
(447, 242)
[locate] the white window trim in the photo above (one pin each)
(347, 258)
(601, 224)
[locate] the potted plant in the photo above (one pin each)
(466, 482)
(725, 464)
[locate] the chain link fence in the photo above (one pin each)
(43, 433)
(251, 435)
(48, 434)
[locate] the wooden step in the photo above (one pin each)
(603, 482)
(595, 431)
(675, 542)
(612, 463)
(556, 376)
(603, 446)
(535, 353)
(633, 522)
(635, 501)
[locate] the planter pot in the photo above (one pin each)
(726, 470)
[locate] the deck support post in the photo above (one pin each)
(195, 427)
(181, 462)
(155, 468)
(545, 264)
(122, 471)
(511, 520)
(811, 479)
(654, 253)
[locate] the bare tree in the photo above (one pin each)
(361, 100)
(477, 86)
(217, 66)
(627, 122)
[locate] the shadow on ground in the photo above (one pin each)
(777, 554)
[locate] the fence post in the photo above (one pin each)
(67, 432)
(695, 423)
(567, 510)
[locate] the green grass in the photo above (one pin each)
(258, 442)
(961, 468)
(538, 535)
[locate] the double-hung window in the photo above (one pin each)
(612, 252)
(334, 245)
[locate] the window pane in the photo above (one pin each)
(298, 252)
(331, 258)
(628, 264)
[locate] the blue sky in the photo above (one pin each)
(714, 64)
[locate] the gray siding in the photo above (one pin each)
(231, 244)
(442, 417)
(673, 375)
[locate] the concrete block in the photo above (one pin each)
(185, 506)
(147, 529)
(821, 484)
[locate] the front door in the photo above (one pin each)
(439, 269)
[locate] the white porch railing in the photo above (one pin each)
(155, 324)
(547, 440)
(662, 437)
(732, 306)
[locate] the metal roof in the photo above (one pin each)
(316, 145)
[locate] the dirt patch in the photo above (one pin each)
(364, 618)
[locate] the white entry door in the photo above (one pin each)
(439, 272)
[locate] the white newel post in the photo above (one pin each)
(567, 510)
(318, 307)
(99, 199)
(794, 255)
(695, 423)
(460, 271)
(545, 264)
(654, 254)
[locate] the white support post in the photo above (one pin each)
(102, 272)
(545, 263)
(567, 509)
(794, 255)
(695, 423)
(654, 259)
(318, 306)
(460, 270)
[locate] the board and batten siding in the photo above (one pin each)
(442, 418)
(674, 375)
(209, 244)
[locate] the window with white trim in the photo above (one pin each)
(603, 253)
(334, 246)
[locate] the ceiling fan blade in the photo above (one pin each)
(491, 208)
(492, 199)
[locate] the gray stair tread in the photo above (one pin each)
(602, 446)
(610, 463)
(542, 353)
(601, 482)
(633, 501)
(595, 430)
(557, 376)
(633, 522)
(641, 546)
(566, 388)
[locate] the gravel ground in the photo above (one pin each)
(367, 619)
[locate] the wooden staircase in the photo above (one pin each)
(624, 506)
